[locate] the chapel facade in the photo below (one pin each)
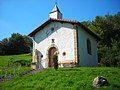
(74, 43)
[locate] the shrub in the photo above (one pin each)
(23, 62)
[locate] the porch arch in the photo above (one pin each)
(50, 51)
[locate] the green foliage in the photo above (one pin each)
(16, 44)
(7, 59)
(28, 41)
(4, 46)
(65, 79)
(107, 27)
(14, 71)
(21, 64)
(111, 55)
(86, 23)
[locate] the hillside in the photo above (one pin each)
(13, 65)
(12, 58)
(79, 78)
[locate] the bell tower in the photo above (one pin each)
(55, 13)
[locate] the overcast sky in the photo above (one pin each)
(23, 16)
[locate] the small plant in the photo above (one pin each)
(22, 62)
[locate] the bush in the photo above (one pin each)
(111, 55)
(23, 62)
(16, 44)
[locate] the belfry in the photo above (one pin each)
(55, 13)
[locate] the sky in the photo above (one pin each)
(23, 16)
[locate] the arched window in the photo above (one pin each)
(89, 47)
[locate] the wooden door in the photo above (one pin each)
(51, 52)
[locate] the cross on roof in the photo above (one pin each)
(56, 2)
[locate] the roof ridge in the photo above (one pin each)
(64, 20)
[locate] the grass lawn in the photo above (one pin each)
(79, 78)
(7, 59)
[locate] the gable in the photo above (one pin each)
(62, 21)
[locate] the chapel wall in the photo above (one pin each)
(85, 58)
(63, 35)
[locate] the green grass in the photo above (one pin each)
(65, 79)
(6, 60)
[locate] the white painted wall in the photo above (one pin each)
(56, 15)
(63, 35)
(64, 40)
(86, 59)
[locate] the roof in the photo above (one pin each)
(55, 9)
(62, 21)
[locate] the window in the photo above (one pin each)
(41, 56)
(53, 40)
(89, 47)
(52, 29)
(64, 53)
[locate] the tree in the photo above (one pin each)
(16, 44)
(0, 47)
(107, 27)
(4, 46)
(111, 55)
(86, 23)
(28, 41)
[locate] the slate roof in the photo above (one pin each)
(55, 9)
(62, 21)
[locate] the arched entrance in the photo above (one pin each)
(50, 55)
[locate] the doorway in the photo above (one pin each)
(50, 53)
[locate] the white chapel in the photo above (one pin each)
(74, 43)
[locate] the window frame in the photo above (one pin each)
(89, 48)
